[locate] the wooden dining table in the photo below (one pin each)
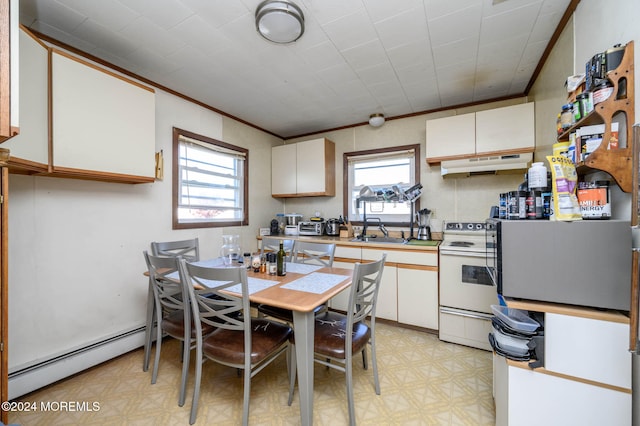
(301, 290)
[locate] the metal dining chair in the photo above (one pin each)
(273, 244)
(239, 341)
(307, 252)
(338, 336)
(190, 251)
(172, 313)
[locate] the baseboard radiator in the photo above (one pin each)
(50, 371)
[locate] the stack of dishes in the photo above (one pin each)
(512, 331)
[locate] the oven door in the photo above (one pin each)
(465, 282)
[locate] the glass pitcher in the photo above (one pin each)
(230, 250)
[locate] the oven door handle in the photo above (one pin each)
(468, 314)
(446, 252)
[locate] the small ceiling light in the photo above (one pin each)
(279, 21)
(376, 120)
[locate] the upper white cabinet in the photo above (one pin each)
(29, 149)
(506, 130)
(451, 136)
(102, 122)
(9, 54)
(303, 169)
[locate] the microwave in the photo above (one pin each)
(310, 228)
(583, 263)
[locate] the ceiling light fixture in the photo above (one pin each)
(376, 120)
(279, 21)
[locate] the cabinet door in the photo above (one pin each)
(102, 122)
(283, 169)
(451, 137)
(315, 165)
(418, 296)
(387, 307)
(8, 69)
(31, 145)
(340, 301)
(542, 399)
(505, 129)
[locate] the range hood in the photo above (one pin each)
(492, 164)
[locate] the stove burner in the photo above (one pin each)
(460, 244)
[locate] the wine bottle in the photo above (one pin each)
(281, 267)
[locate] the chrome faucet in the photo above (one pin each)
(380, 226)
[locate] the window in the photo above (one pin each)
(387, 172)
(210, 181)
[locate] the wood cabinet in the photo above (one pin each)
(498, 131)
(616, 162)
(586, 378)
(303, 169)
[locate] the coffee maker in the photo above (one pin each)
(423, 218)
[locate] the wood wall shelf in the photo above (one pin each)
(616, 162)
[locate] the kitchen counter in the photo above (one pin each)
(347, 242)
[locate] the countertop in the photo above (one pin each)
(347, 242)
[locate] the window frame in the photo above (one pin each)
(176, 181)
(346, 188)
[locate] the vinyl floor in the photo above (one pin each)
(423, 381)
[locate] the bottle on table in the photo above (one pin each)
(281, 268)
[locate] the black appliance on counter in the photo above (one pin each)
(583, 262)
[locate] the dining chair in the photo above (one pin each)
(172, 313)
(273, 244)
(189, 250)
(239, 341)
(307, 252)
(338, 336)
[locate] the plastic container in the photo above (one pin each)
(537, 176)
(513, 345)
(515, 318)
(594, 199)
(566, 116)
(602, 92)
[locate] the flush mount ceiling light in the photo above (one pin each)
(279, 21)
(376, 120)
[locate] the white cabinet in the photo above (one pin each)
(344, 257)
(418, 296)
(451, 136)
(283, 169)
(9, 54)
(102, 122)
(30, 149)
(304, 169)
(525, 397)
(586, 378)
(505, 129)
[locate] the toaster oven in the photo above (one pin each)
(310, 228)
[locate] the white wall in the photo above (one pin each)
(75, 247)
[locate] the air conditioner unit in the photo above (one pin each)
(492, 164)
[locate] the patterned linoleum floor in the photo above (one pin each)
(423, 381)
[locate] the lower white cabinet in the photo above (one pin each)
(387, 307)
(418, 296)
(341, 300)
(586, 378)
(526, 397)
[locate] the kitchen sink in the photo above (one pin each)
(380, 240)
